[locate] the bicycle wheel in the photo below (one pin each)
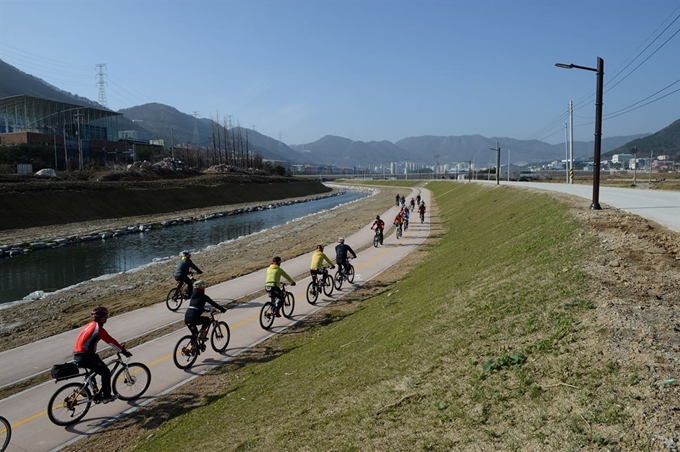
(186, 352)
(219, 338)
(398, 233)
(69, 404)
(5, 433)
(338, 279)
(131, 381)
(376, 241)
(328, 285)
(267, 315)
(312, 293)
(350, 274)
(174, 299)
(288, 305)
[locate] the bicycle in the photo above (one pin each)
(323, 283)
(422, 217)
(378, 238)
(341, 275)
(190, 346)
(70, 403)
(398, 231)
(285, 303)
(5, 433)
(177, 295)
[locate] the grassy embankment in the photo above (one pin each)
(484, 345)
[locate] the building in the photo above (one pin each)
(78, 134)
(514, 172)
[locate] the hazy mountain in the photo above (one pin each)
(332, 150)
(173, 126)
(665, 141)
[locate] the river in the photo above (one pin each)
(52, 269)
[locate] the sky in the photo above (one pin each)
(298, 70)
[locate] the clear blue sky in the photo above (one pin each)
(363, 69)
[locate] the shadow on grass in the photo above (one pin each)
(187, 398)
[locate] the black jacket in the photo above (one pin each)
(341, 252)
(197, 305)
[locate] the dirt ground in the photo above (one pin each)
(635, 280)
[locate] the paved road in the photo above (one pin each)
(660, 206)
(26, 411)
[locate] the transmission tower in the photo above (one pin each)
(101, 84)
(195, 140)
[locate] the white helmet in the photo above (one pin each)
(341, 240)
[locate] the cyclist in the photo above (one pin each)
(318, 258)
(413, 204)
(341, 250)
(402, 201)
(418, 200)
(182, 270)
(421, 211)
(271, 284)
(398, 221)
(398, 198)
(193, 316)
(85, 351)
(405, 214)
(379, 226)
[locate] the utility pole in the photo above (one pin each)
(508, 177)
(634, 166)
(436, 166)
(498, 163)
(195, 137)
(77, 117)
(651, 160)
(54, 142)
(566, 154)
(571, 142)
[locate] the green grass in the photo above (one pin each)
(480, 347)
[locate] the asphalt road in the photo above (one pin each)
(660, 206)
(27, 411)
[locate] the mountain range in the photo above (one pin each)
(159, 121)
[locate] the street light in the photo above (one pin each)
(598, 126)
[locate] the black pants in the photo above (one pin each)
(344, 263)
(192, 321)
(185, 279)
(93, 362)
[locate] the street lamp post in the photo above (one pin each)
(595, 205)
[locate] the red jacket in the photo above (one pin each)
(89, 337)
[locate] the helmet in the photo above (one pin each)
(276, 259)
(319, 247)
(341, 240)
(200, 284)
(185, 253)
(100, 312)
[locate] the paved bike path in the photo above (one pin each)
(33, 431)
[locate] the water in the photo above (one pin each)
(57, 268)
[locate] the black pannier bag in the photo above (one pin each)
(65, 371)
